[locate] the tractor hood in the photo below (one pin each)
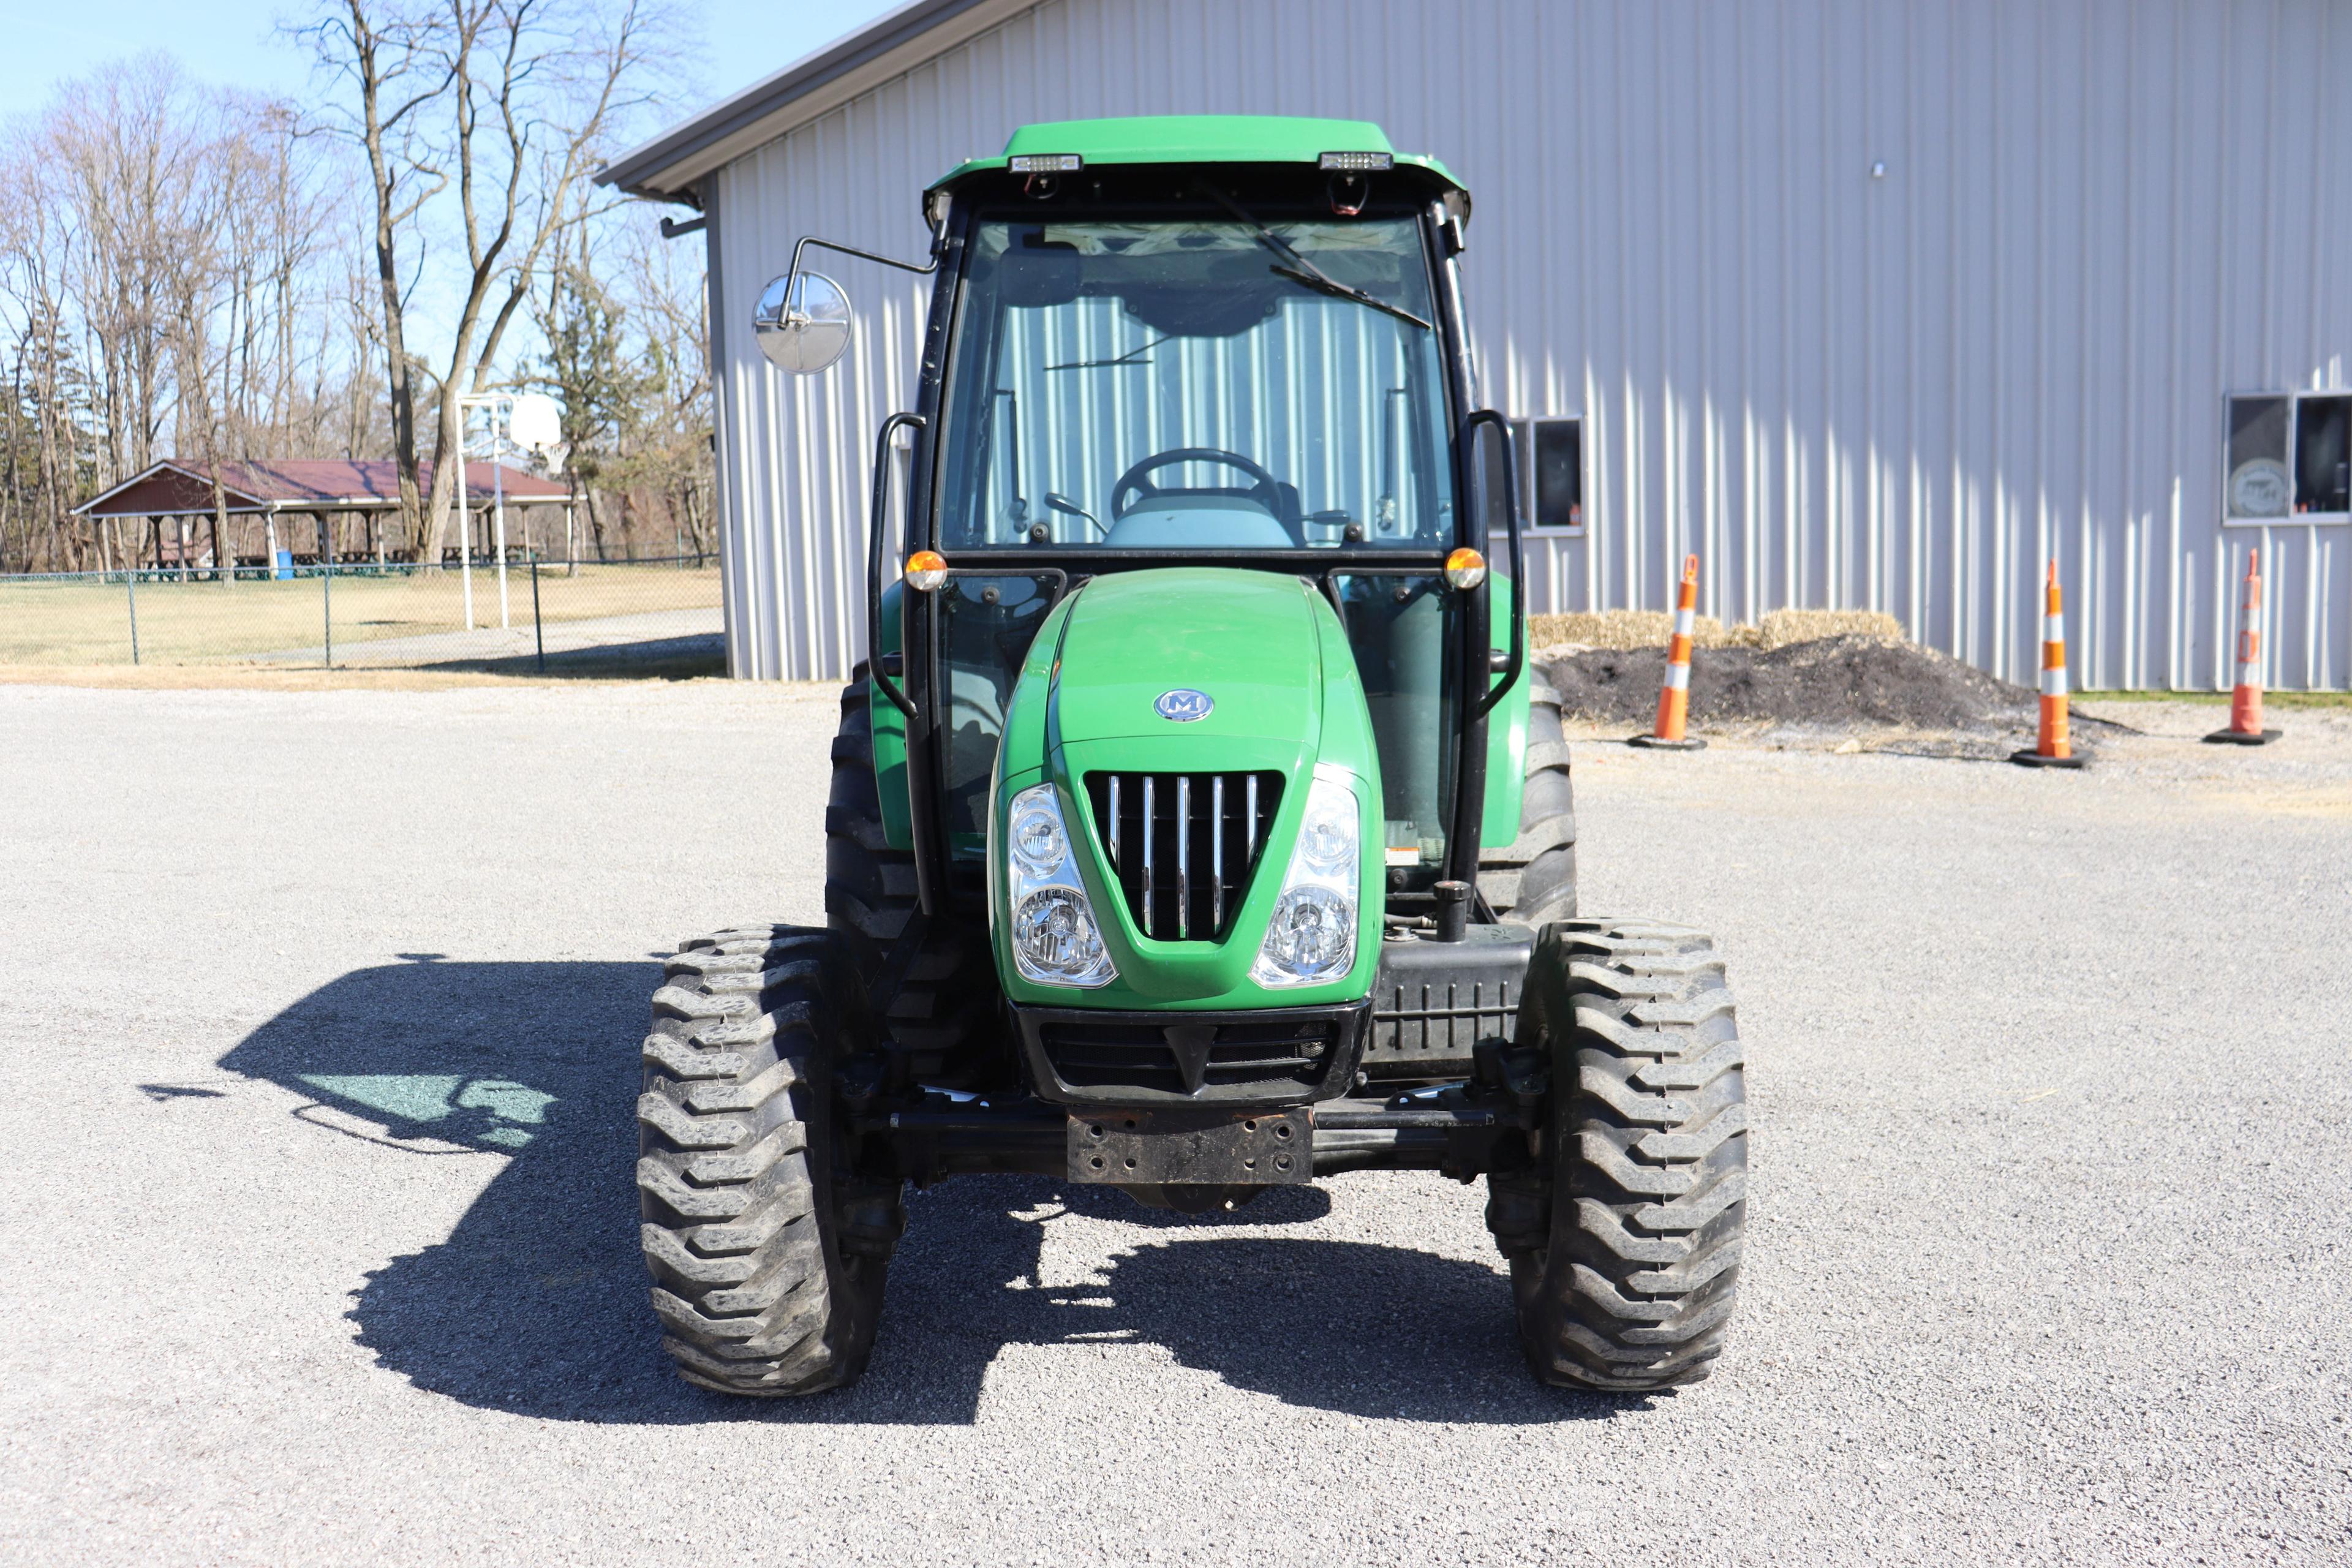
(1191, 671)
(1247, 642)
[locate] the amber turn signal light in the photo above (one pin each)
(926, 569)
(1465, 569)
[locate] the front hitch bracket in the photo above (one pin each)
(1193, 1148)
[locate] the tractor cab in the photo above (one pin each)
(1204, 343)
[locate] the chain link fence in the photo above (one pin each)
(645, 616)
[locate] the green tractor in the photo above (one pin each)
(1198, 826)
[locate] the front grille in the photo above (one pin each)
(1264, 1055)
(1183, 845)
(1185, 1058)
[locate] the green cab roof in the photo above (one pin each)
(1198, 139)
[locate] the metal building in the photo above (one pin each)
(1873, 303)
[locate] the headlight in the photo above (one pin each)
(1039, 845)
(1312, 937)
(1055, 938)
(1327, 839)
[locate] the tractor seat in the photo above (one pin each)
(1200, 522)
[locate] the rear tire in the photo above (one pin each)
(1534, 880)
(1624, 1229)
(943, 1012)
(768, 1251)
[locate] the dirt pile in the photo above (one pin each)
(1842, 685)
(1648, 628)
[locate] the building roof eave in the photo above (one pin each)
(239, 500)
(286, 489)
(671, 166)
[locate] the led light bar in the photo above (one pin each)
(1047, 163)
(1356, 163)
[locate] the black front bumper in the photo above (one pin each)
(1265, 1056)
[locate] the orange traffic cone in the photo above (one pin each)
(1674, 697)
(2246, 698)
(2052, 748)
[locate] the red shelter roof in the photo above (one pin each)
(175, 487)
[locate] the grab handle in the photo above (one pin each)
(879, 533)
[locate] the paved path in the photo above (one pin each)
(507, 643)
(318, 1025)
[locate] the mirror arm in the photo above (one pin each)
(792, 277)
(881, 529)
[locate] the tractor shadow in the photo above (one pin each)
(536, 1303)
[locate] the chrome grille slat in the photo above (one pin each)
(1183, 856)
(1148, 889)
(1217, 855)
(1184, 846)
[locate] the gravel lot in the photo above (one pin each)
(2048, 1250)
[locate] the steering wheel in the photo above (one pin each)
(1266, 492)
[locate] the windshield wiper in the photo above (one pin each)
(1339, 290)
(1303, 271)
(1127, 358)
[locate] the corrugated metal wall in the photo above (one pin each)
(1901, 391)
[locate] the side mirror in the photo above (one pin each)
(809, 330)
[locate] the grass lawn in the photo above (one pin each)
(2270, 699)
(194, 623)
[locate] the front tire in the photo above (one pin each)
(767, 1247)
(941, 1011)
(1624, 1228)
(1533, 882)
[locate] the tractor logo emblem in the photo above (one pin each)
(1184, 705)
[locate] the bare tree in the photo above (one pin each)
(179, 272)
(43, 427)
(100, 183)
(624, 352)
(169, 264)
(505, 105)
(672, 289)
(202, 310)
(387, 58)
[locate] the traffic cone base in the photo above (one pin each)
(2032, 759)
(1652, 742)
(2242, 737)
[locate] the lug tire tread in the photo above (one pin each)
(739, 1207)
(1624, 1237)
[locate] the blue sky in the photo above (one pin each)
(725, 45)
(733, 43)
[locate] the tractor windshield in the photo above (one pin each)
(1196, 384)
